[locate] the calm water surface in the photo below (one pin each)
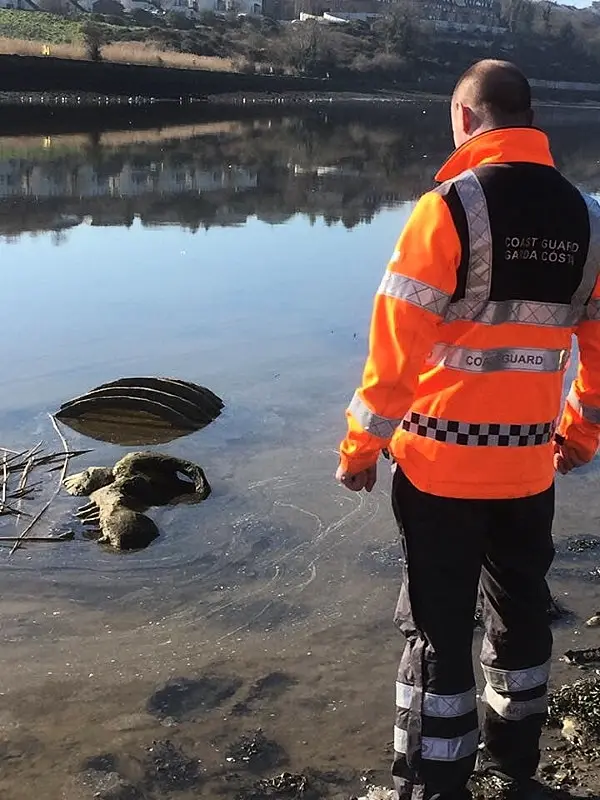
(241, 255)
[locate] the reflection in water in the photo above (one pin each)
(270, 605)
(337, 165)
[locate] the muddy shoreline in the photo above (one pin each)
(220, 690)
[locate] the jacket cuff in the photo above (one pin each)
(354, 464)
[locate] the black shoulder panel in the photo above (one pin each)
(540, 232)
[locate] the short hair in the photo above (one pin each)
(499, 90)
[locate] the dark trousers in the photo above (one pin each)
(453, 550)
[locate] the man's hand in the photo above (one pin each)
(362, 480)
(566, 458)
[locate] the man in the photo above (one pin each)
(470, 336)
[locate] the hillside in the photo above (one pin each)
(548, 41)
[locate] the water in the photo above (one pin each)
(241, 254)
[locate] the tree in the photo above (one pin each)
(110, 8)
(519, 15)
(179, 21)
(567, 36)
(307, 49)
(527, 16)
(93, 39)
(399, 31)
(546, 11)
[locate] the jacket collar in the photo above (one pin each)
(498, 146)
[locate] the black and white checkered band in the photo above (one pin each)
(486, 434)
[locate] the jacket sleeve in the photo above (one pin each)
(409, 307)
(580, 423)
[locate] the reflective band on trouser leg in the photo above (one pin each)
(438, 705)
(436, 749)
(517, 680)
(518, 359)
(511, 709)
(479, 434)
(589, 413)
(415, 292)
(374, 424)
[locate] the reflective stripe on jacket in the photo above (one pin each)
(472, 326)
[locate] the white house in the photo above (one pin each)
(193, 8)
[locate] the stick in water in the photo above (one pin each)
(61, 478)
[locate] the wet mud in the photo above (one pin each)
(185, 699)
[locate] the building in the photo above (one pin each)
(137, 177)
(474, 12)
(463, 16)
(193, 8)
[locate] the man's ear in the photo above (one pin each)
(469, 122)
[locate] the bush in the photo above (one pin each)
(93, 39)
(179, 21)
(244, 65)
(208, 18)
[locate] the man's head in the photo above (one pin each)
(491, 94)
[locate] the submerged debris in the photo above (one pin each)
(594, 621)
(378, 793)
(184, 699)
(256, 751)
(144, 410)
(170, 768)
(576, 708)
(583, 544)
(94, 784)
(583, 658)
(268, 688)
(287, 785)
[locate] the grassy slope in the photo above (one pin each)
(27, 32)
(38, 25)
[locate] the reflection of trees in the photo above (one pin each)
(341, 166)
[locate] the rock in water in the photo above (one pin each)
(145, 410)
(120, 495)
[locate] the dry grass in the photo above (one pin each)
(123, 52)
(137, 53)
(32, 146)
(25, 47)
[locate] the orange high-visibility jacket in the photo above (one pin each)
(472, 327)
